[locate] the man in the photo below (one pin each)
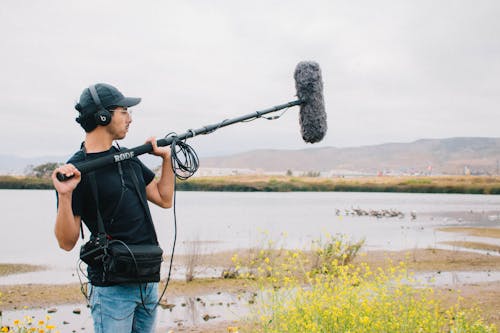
(105, 116)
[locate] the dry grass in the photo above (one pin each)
(470, 231)
(193, 259)
(425, 184)
(474, 245)
(485, 296)
(39, 295)
(425, 260)
(43, 295)
(381, 180)
(7, 269)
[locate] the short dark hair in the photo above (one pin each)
(86, 119)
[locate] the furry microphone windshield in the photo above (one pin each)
(309, 87)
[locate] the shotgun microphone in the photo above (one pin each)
(309, 87)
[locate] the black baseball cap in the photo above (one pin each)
(109, 97)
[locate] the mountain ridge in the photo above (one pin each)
(457, 155)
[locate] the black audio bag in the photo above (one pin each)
(122, 263)
(132, 263)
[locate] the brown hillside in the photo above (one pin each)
(445, 156)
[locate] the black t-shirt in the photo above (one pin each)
(120, 206)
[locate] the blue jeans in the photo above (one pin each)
(119, 309)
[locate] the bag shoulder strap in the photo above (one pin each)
(143, 200)
(100, 224)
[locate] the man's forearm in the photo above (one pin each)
(166, 182)
(66, 227)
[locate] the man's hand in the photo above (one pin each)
(69, 185)
(163, 152)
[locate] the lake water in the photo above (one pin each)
(229, 220)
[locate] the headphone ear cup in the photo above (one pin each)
(103, 117)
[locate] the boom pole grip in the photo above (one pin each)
(87, 166)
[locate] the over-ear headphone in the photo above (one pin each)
(102, 116)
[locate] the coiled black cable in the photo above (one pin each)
(185, 163)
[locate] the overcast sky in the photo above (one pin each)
(393, 71)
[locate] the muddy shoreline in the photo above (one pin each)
(486, 295)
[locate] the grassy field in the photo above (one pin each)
(28, 183)
(265, 183)
(435, 184)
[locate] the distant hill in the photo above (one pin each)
(436, 156)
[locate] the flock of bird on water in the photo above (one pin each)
(375, 213)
